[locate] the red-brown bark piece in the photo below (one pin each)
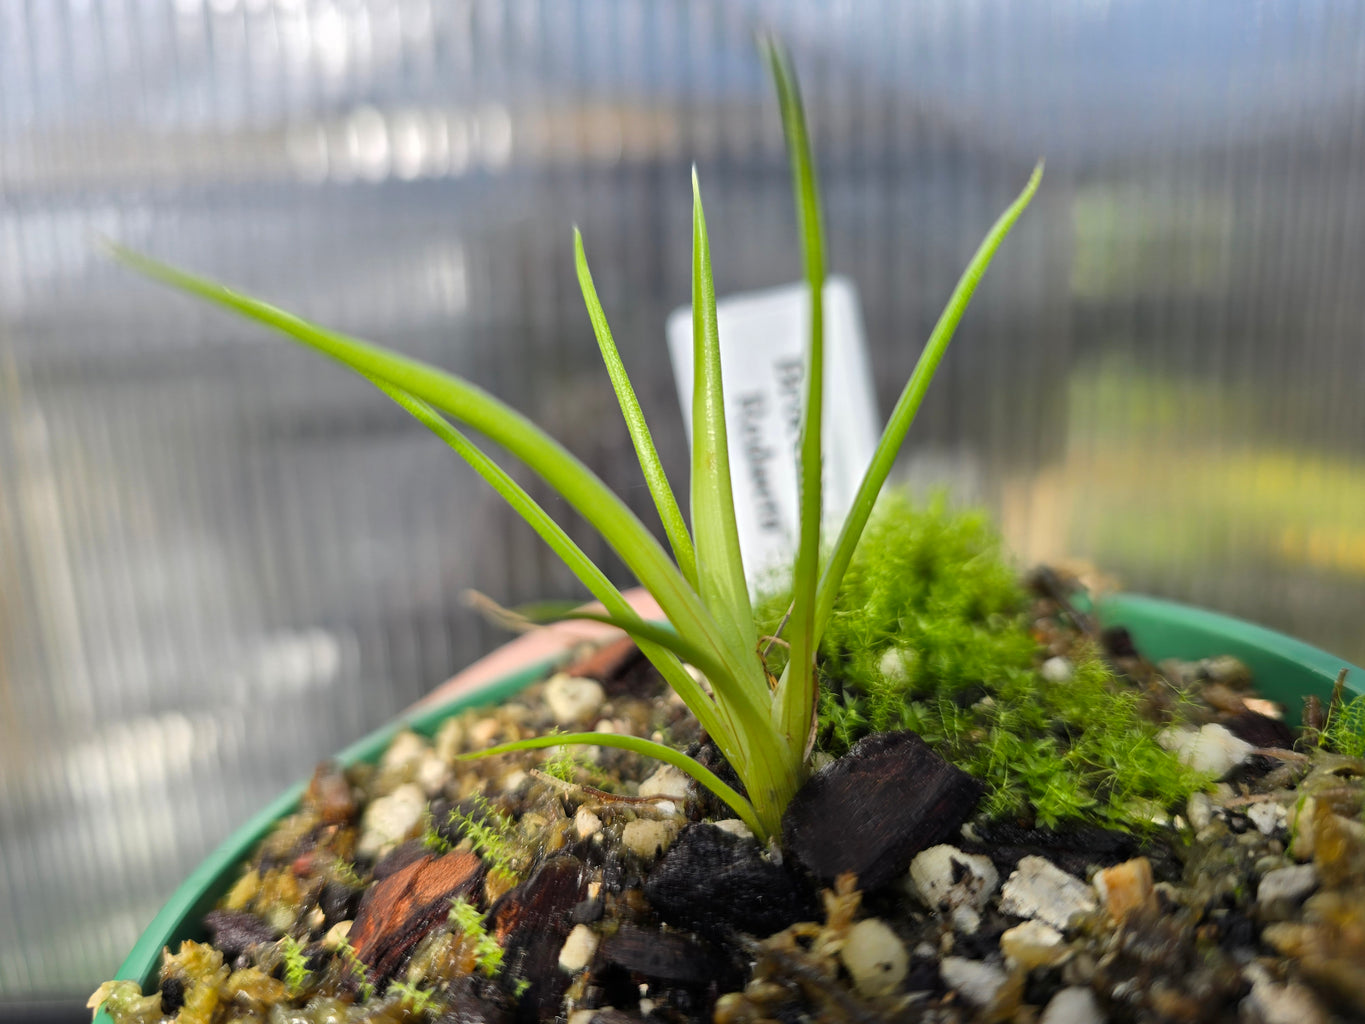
(329, 794)
(872, 810)
(606, 662)
(399, 911)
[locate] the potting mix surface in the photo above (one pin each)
(594, 885)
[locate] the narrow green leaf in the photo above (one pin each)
(664, 501)
(743, 809)
(619, 610)
(471, 405)
(720, 567)
(794, 705)
(908, 404)
(635, 626)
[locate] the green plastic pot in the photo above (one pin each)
(1286, 670)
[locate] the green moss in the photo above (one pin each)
(570, 764)
(416, 1001)
(357, 969)
(930, 633)
(492, 835)
(1345, 730)
(296, 972)
(469, 922)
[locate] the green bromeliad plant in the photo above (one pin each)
(763, 726)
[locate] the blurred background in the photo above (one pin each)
(221, 558)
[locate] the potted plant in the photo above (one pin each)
(534, 890)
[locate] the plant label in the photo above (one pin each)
(763, 340)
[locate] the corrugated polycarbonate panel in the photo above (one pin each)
(221, 558)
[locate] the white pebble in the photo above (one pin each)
(1268, 818)
(432, 773)
(337, 935)
(667, 781)
(1269, 1003)
(1212, 749)
(1283, 888)
(896, 662)
(646, 838)
(586, 823)
(573, 699)
(578, 948)
(976, 982)
(947, 879)
(483, 732)
(875, 957)
(1033, 944)
(389, 819)
(1039, 889)
(1057, 670)
(406, 750)
(1073, 1006)
(450, 737)
(1199, 809)
(735, 827)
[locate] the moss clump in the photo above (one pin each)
(468, 922)
(1345, 730)
(930, 633)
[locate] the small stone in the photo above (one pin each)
(1199, 810)
(947, 879)
(1033, 944)
(875, 957)
(483, 732)
(1269, 1003)
(1212, 749)
(965, 920)
(432, 773)
(336, 936)
(391, 819)
(1285, 888)
(405, 751)
(1058, 670)
(896, 663)
(1126, 888)
(1268, 817)
(237, 931)
(578, 949)
(668, 782)
(976, 982)
(1227, 670)
(584, 1016)
(647, 838)
(1073, 1006)
(1301, 831)
(1339, 849)
(735, 827)
(573, 699)
(1039, 889)
(586, 823)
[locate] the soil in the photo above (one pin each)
(612, 891)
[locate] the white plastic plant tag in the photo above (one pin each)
(763, 339)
